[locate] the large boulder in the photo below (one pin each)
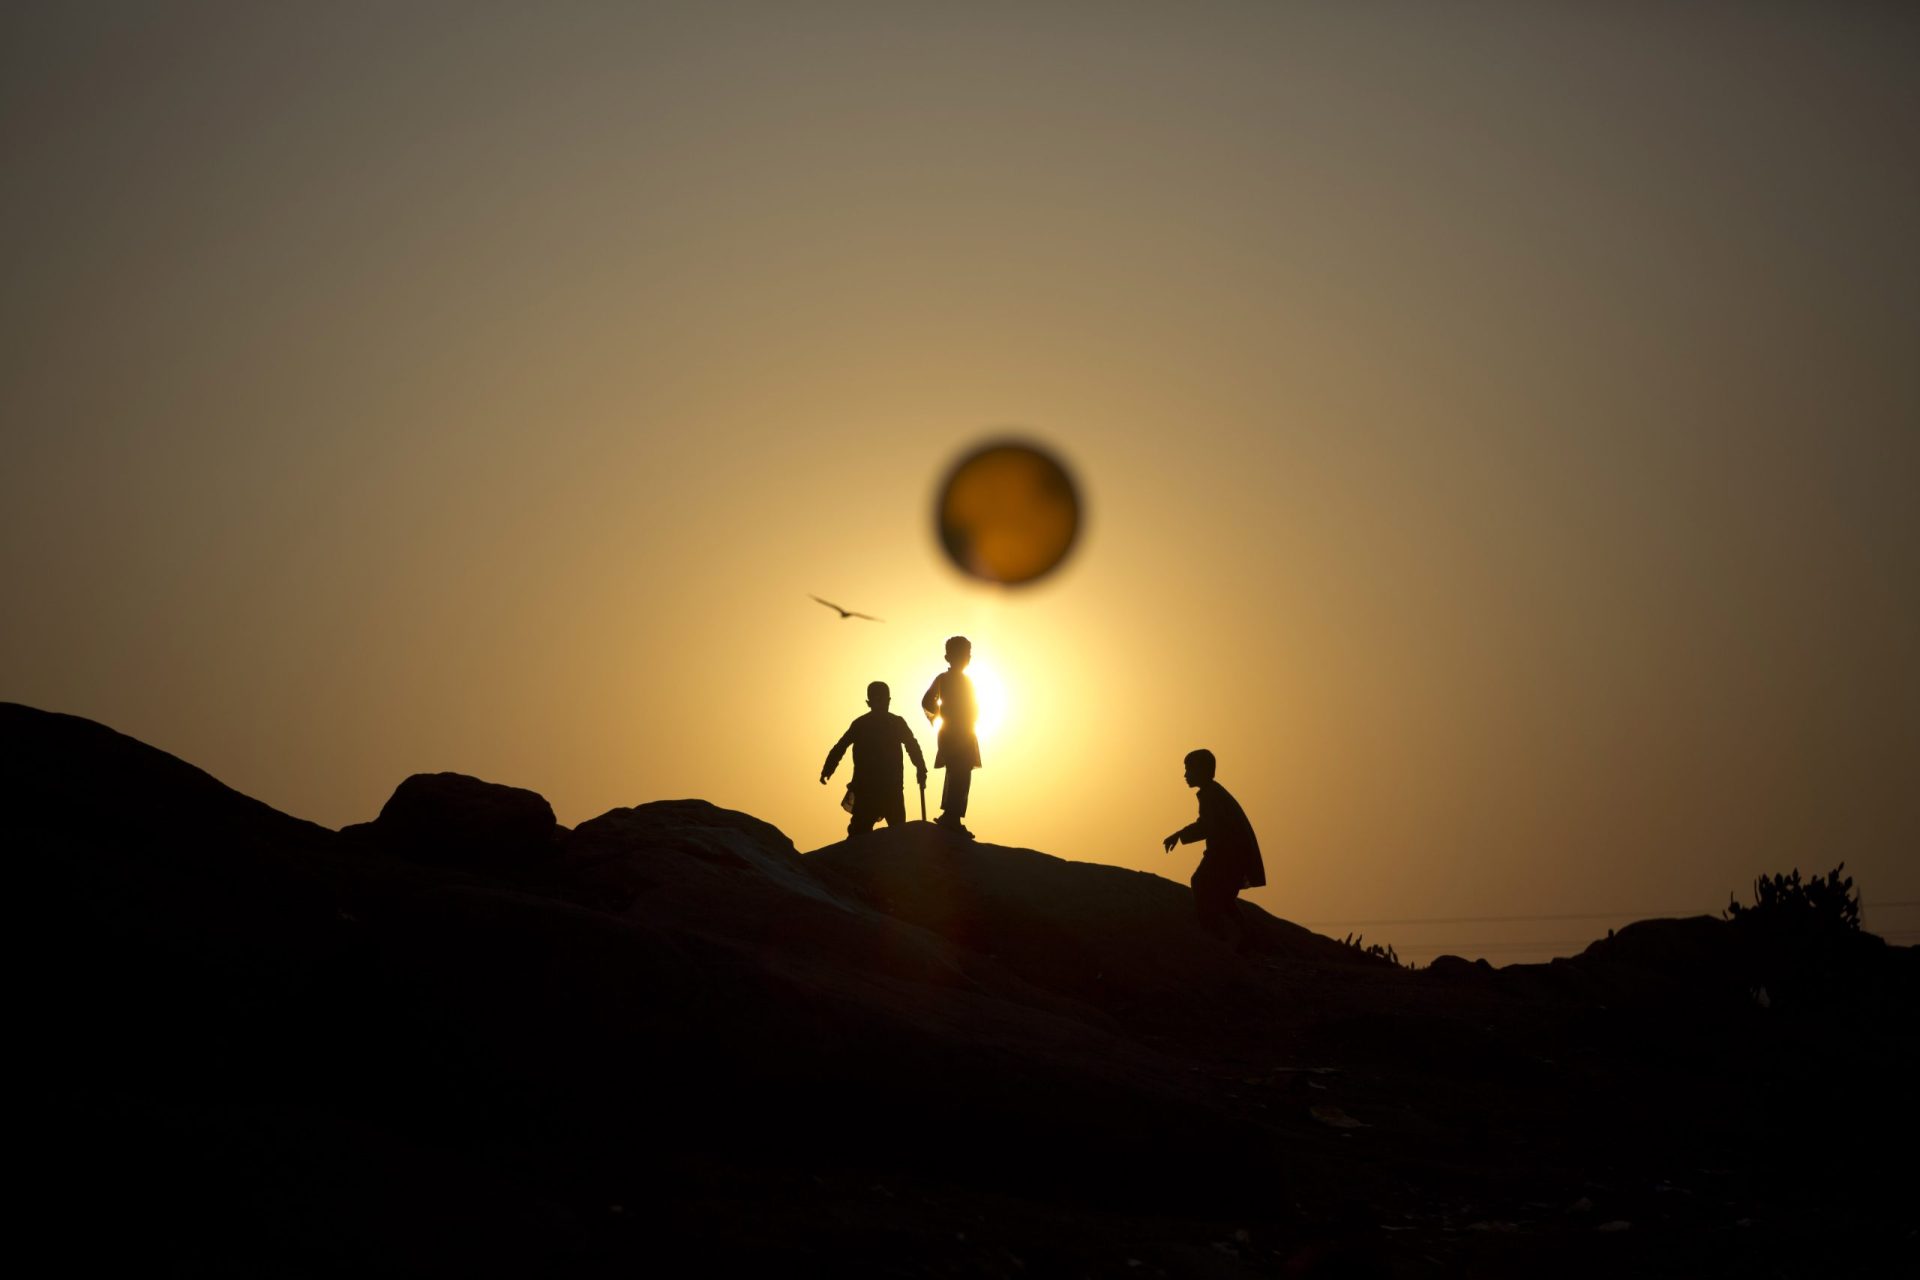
(1122, 942)
(452, 820)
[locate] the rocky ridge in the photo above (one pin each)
(463, 1037)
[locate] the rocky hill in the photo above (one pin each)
(461, 1038)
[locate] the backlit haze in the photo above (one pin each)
(1499, 425)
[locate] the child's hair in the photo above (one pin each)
(958, 644)
(1202, 764)
(878, 692)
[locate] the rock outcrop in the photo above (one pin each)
(452, 820)
(462, 1038)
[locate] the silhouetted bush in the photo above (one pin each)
(1800, 942)
(1375, 950)
(1822, 904)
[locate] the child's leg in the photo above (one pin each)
(864, 816)
(1214, 902)
(953, 794)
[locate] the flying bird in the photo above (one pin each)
(845, 613)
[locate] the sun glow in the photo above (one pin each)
(990, 694)
(990, 701)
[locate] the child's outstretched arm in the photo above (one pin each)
(833, 756)
(1189, 834)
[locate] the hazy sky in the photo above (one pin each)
(1500, 424)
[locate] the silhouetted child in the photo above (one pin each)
(876, 739)
(1232, 861)
(950, 697)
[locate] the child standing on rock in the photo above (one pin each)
(876, 739)
(950, 700)
(1232, 860)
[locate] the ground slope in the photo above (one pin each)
(461, 1037)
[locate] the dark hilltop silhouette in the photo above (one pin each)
(464, 1039)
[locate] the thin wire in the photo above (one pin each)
(1593, 915)
(1588, 915)
(1459, 949)
(1553, 944)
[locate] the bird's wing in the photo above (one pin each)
(844, 613)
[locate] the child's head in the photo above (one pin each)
(959, 652)
(1200, 765)
(878, 695)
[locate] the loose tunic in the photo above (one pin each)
(1233, 851)
(950, 697)
(876, 739)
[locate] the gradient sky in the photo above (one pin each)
(1500, 424)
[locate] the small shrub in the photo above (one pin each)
(1820, 905)
(1801, 941)
(1375, 950)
